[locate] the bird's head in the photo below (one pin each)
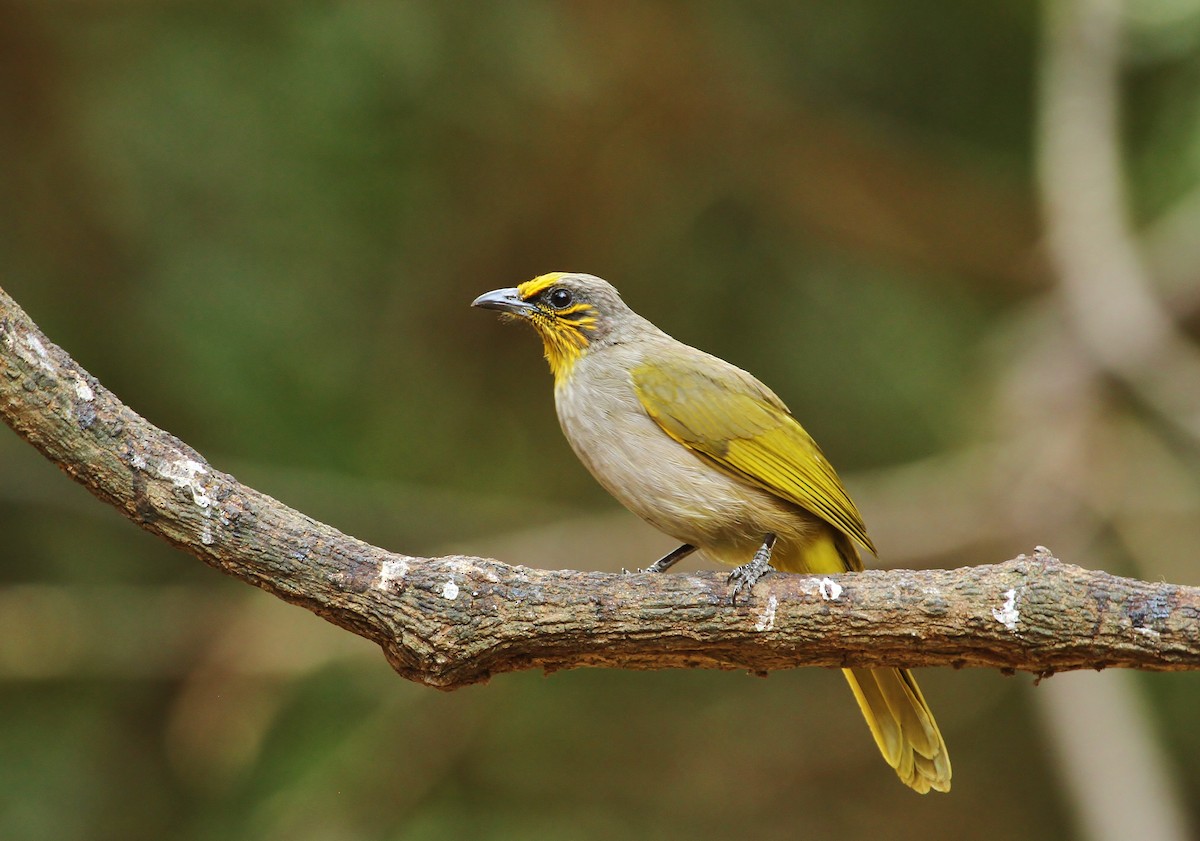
(573, 314)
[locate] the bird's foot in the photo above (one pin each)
(747, 575)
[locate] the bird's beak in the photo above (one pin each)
(506, 300)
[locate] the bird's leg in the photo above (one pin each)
(747, 575)
(671, 558)
(668, 560)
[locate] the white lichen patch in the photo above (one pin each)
(1007, 614)
(32, 351)
(831, 591)
(138, 461)
(36, 345)
(82, 390)
(1147, 632)
(766, 619)
(391, 572)
(450, 589)
(185, 473)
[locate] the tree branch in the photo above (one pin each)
(452, 621)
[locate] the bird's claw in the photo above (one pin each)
(747, 575)
(744, 578)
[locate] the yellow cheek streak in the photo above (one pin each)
(563, 338)
(564, 344)
(574, 316)
(562, 331)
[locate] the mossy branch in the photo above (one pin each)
(452, 621)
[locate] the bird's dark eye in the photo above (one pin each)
(560, 298)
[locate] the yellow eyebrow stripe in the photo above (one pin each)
(539, 284)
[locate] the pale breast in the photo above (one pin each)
(656, 477)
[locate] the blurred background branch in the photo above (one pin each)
(1109, 300)
(1120, 328)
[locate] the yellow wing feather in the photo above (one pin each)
(737, 424)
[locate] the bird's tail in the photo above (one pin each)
(903, 726)
(890, 699)
(897, 713)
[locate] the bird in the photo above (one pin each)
(708, 455)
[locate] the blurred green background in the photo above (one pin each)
(261, 225)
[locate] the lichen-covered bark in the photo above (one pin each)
(456, 620)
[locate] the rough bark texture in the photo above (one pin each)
(452, 621)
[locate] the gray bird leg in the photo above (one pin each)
(671, 558)
(747, 575)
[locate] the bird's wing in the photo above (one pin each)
(736, 423)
